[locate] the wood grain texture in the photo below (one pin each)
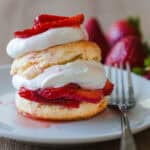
(142, 140)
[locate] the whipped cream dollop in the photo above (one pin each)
(19, 46)
(87, 74)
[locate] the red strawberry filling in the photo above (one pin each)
(70, 95)
(44, 22)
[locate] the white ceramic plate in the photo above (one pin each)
(103, 127)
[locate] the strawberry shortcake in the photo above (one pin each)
(56, 71)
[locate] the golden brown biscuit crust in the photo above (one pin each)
(54, 112)
(32, 64)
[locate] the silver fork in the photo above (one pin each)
(123, 103)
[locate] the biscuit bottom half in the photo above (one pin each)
(56, 112)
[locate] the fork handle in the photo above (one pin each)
(127, 140)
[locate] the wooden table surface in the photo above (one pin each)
(142, 140)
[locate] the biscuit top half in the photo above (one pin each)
(52, 40)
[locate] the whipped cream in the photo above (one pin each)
(19, 46)
(87, 74)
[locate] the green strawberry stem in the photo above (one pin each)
(147, 58)
(147, 62)
(135, 21)
(138, 70)
(146, 48)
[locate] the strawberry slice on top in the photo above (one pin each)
(48, 18)
(41, 25)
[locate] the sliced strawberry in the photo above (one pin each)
(48, 18)
(63, 23)
(50, 96)
(44, 26)
(108, 88)
(83, 95)
(24, 33)
(23, 92)
(34, 96)
(57, 93)
(70, 94)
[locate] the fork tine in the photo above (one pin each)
(109, 72)
(110, 77)
(116, 92)
(122, 84)
(131, 99)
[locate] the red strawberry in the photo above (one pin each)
(57, 93)
(128, 49)
(25, 33)
(83, 95)
(42, 27)
(70, 94)
(108, 88)
(122, 28)
(48, 18)
(71, 21)
(96, 35)
(29, 94)
(34, 96)
(147, 75)
(25, 93)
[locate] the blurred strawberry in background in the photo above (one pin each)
(122, 28)
(96, 34)
(128, 49)
(122, 43)
(126, 41)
